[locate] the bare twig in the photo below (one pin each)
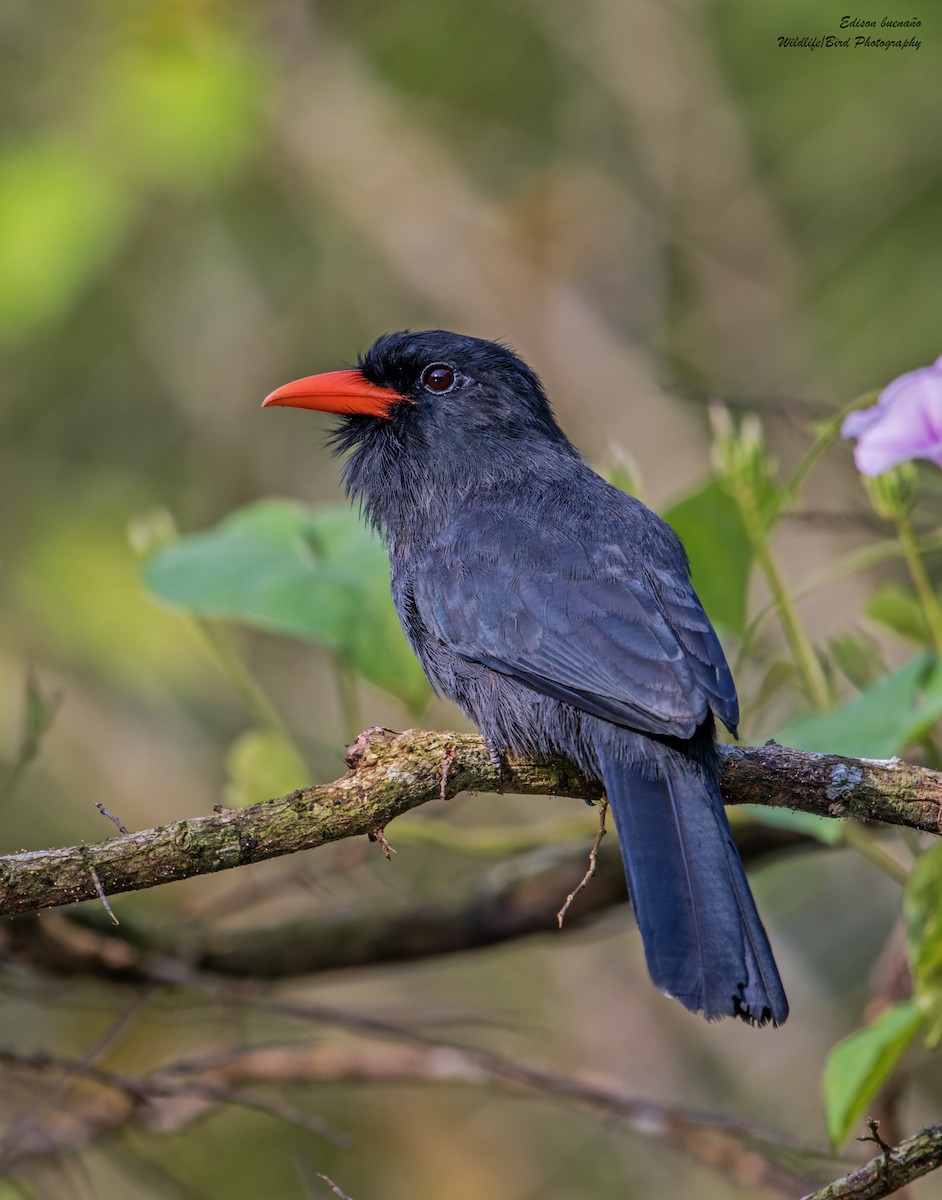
(308, 1173)
(171, 1098)
(56, 1092)
(101, 895)
(592, 867)
(338, 1191)
(391, 774)
(111, 817)
(167, 1100)
(379, 836)
(874, 1136)
(893, 1169)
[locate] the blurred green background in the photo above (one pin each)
(657, 207)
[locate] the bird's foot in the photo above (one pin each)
(497, 762)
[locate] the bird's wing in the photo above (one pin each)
(583, 624)
(693, 630)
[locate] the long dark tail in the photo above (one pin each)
(703, 938)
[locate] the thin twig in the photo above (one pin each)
(874, 1136)
(101, 894)
(338, 1191)
(111, 817)
(173, 1097)
(154, 1095)
(893, 1169)
(593, 865)
(59, 1086)
(379, 836)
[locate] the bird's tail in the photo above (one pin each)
(703, 938)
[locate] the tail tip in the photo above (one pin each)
(756, 1010)
(767, 1011)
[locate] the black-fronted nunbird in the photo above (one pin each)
(558, 613)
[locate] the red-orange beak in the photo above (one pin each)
(336, 392)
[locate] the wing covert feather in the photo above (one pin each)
(637, 650)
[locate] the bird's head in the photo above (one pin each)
(430, 381)
(429, 414)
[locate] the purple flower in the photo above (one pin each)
(905, 423)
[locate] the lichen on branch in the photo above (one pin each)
(391, 773)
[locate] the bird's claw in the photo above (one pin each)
(497, 762)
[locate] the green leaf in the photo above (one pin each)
(314, 573)
(61, 217)
(858, 657)
(922, 909)
(879, 722)
(261, 764)
(709, 525)
(898, 609)
(858, 1065)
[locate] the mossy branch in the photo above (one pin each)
(392, 773)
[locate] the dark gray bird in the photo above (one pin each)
(557, 612)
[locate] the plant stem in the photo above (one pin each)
(253, 694)
(859, 838)
(931, 608)
(860, 559)
(827, 436)
(806, 658)
(349, 700)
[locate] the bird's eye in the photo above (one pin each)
(438, 378)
